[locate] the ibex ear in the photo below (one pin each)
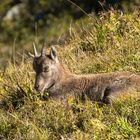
(53, 54)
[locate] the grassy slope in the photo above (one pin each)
(109, 44)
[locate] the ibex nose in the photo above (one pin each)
(36, 87)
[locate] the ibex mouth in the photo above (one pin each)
(44, 89)
(50, 86)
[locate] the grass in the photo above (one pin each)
(109, 43)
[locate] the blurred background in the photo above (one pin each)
(24, 21)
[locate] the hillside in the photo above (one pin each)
(106, 43)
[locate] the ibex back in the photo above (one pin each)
(53, 78)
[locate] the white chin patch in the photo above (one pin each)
(45, 87)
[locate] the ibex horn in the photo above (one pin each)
(43, 51)
(35, 51)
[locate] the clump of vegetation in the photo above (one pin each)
(104, 44)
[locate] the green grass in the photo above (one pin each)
(109, 43)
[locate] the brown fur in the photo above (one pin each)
(53, 78)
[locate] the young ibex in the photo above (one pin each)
(53, 78)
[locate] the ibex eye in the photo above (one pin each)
(46, 69)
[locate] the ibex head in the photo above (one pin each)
(46, 67)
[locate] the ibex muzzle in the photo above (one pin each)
(46, 68)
